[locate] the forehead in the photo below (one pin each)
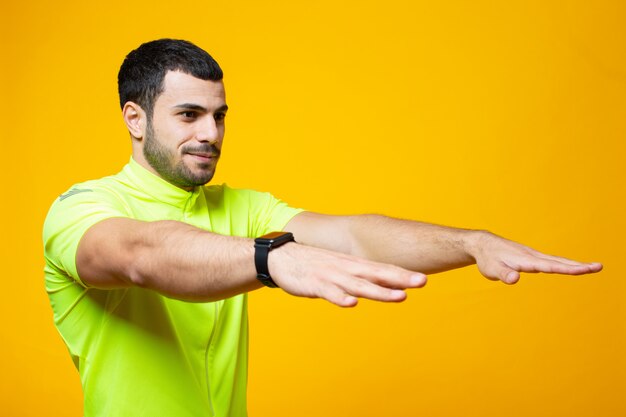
(179, 87)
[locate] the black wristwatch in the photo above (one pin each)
(262, 247)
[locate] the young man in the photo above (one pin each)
(147, 270)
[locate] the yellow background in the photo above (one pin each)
(507, 116)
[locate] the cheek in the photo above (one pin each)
(178, 136)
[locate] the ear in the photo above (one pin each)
(135, 119)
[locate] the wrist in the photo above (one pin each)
(263, 245)
(278, 259)
(474, 241)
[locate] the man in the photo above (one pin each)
(147, 270)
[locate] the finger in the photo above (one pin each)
(596, 266)
(557, 258)
(566, 261)
(364, 289)
(338, 296)
(389, 276)
(506, 274)
(553, 267)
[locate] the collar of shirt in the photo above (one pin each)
(157, 188)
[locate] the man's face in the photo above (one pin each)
(183, 140)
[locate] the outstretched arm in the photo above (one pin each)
(428, 248)
(184, 262)
(338, 258)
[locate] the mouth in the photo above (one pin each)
(203, 157)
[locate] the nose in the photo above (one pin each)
(208, 131)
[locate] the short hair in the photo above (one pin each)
(141, 75)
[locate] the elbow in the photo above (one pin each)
(139, 271)
(136, 278)
(140, 268)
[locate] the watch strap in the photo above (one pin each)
(262, 247)
(261, 253)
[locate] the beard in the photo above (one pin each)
(176, 172)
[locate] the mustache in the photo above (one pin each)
(204, 149)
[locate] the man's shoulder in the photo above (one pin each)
(86, 187)
(104, 190)
(103, 184)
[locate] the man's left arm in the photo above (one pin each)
(428, 248)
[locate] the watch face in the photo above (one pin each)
(275, 238)
(273, 235)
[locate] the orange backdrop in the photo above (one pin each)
(507, 116)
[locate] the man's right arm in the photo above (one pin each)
(184, 262)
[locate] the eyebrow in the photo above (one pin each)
(197, 107)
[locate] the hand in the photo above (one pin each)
(306, 271)
(501, 259)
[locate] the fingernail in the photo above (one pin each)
(398, 293)
(511, 275)
(349, 300)
(417, 279)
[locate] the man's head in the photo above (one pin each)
(173, 102)
(141, 75)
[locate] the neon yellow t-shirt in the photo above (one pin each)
(140, 353)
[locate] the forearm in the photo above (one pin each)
(181, 261)
(428, 248)
(173, 258)
(417, 246)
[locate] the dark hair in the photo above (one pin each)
(141, 75)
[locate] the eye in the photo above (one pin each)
(219, 116)
(189, 114)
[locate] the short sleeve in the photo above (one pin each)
(265, 213)
(275, 215)
(70, 216)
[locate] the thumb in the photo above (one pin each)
(508, 275)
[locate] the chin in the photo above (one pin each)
(204, 179)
